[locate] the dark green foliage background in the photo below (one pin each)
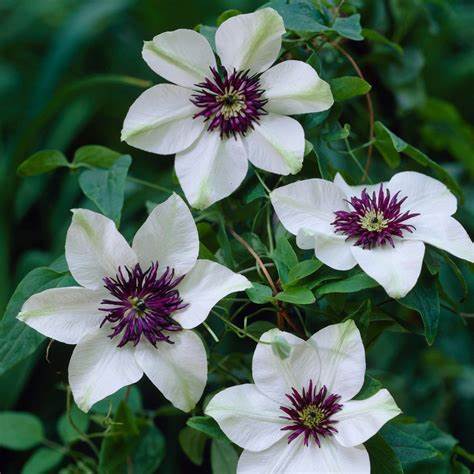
(62, 86)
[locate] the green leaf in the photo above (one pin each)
(192, 442)
(17, 340)
(206, 425)
(337, 133)
(42, 162)
(388, 144)
(357, 282)
(347, 87)
(209, 32)
(457, 273)
(121, 442)
(408, 447)
(224, 243)
(383, 459)
(150, 451)
(376, 37)
(444, 443)
(303, 269)
(20, 431)
(301, 17)
(42, 461)
(371, 387)
(226, 15)
(66, 430)
(296, 295)
(257, 192)
(259, 293)
(443, 175)
(106, 188)
(205, 253)
(112, 402)
(284, 257)
(308, 147)
(96, 156)
(257, 328)
(424, 299)
(349, 27)
(224, 457)
(361, 316)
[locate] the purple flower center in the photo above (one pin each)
(142, 304)
(231, 102)
(310, 413)
(374, 219)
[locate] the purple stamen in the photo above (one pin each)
(143, 304)
(310, 413)
(232, 103)
(374, 219)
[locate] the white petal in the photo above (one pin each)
(351, 191)
(305, 239)
(211, 169)
(294, 87)
(333, 250)
(99, 368)
(181, 56)
(168, 236)
(309, 205)
(396, 269)
(64, 314)
(95, 249)
(276, 376)
(250, 41)
(161, 120)
(276, 145)
(443, 232)
(359, 420)
(342, 357)
(296, 458)
(179, 370)
(425, 195)
(206, 284)
(247, 417)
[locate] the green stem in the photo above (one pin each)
(269, 230)
(253, 269)
(81, 434)
(356, 160)
(465, 454)
(210, 331)
(142, 182)
(240, 332)
(262, 182)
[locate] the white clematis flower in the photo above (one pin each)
(217, 117)
(299, 416)
(135, 307)
(382, 227)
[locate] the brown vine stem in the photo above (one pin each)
(257, 258)
(370, 107)
(282, 314)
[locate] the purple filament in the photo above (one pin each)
(374, 220)
(230, 102)
(143, 304)
(310, 413)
